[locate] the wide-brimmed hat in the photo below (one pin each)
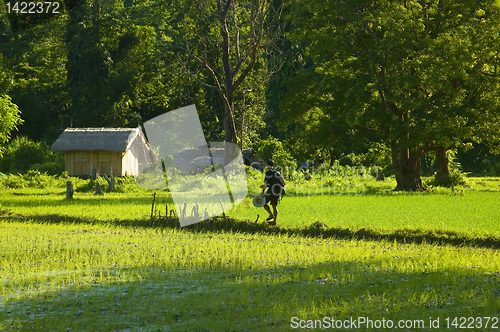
(258, 200)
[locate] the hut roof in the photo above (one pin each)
(90, 139)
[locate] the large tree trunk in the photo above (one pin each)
(407, 169)
(229, 75)
(332, 157)
(229, 124)
(443, 171)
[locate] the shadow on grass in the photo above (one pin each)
(316, 230)
(210, 299)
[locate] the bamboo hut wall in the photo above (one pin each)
(81, 163)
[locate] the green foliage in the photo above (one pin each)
(381, 76)
(377, 157)
(10, 117)
(457, 176)
(87, 186)
(35, 58)
(31, 179)
(35, 179)
(53, 164)
(478, 161)
(272, 148)
(95, 255)
(41, 180)
(349, 81)
(22, 153)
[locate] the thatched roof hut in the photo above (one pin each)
(118, 149)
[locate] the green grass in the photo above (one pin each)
(100, 262)
(95, 277)
(109, 207)
(470, 212)
(474, 213)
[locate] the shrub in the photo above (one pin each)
(272, 148)
(31, 179)
(378, 155)
(35, 179)
(86, 186)
(22, 153)
(52, 165)
(457, 176)
(13, 181)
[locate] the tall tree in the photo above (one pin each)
(283, 61)
(88, 64)
(32, 58)
(229, 54)
(418, 75)
(110, 63)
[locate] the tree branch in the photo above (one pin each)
(237, 36)
(204, 62)
(223, 12)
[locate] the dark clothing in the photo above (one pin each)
(273, 185)
(273, 199)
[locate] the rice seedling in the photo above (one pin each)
(95, 277)
(95, 263)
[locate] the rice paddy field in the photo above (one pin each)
(377, 261)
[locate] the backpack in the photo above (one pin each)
(278, 180)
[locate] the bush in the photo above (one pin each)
(272, 148)
(378, 155)
(12, 181)
(22, 153)
(35, 179)
(31, 179)
(457, 176)
(86, 186)
(53, 164)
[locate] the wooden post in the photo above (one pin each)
(223, 213)
(381, 177)
(184, 210)
(153, 205)
(69, 190)
(98, 190)
(111, 182)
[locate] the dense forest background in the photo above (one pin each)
(409, 86)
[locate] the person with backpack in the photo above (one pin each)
(274, 183)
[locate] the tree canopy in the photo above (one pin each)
(417, 75)
(414, 76)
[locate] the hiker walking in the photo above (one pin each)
(274, 183)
